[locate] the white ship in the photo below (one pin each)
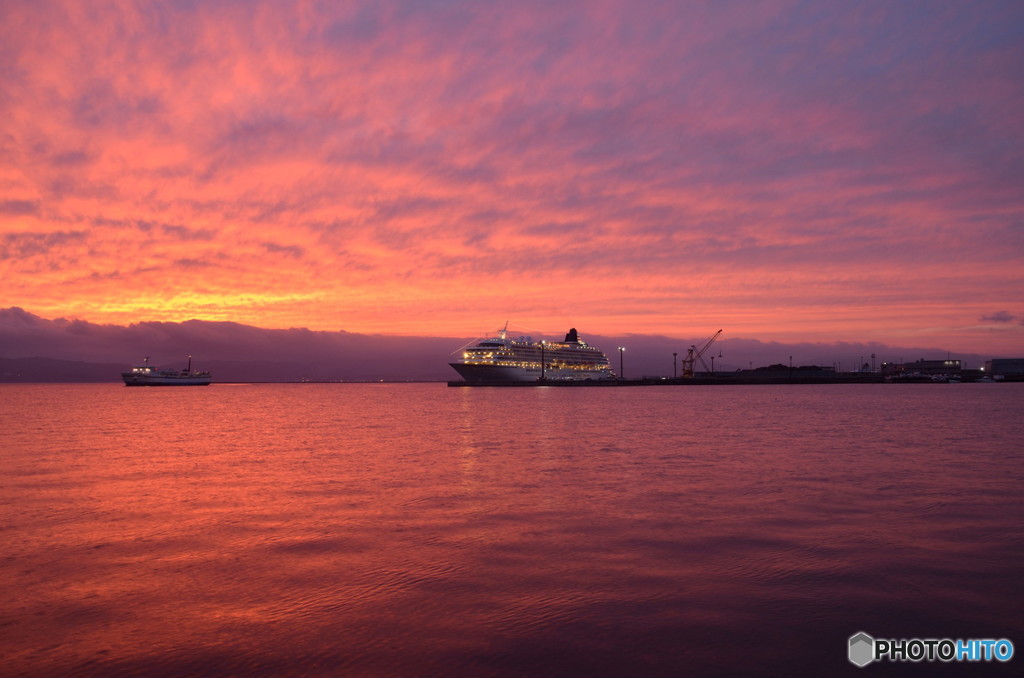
(150, 375)
(502, 358)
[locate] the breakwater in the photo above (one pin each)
(717, 380)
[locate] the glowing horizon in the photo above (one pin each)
(848, 174)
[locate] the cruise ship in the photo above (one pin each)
(502, 358)
(150, 375)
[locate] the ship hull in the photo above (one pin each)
(135, 380)
(500, 373)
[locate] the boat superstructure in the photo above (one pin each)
(147, 374)
(503, 358)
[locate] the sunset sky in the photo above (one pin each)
(788, 171)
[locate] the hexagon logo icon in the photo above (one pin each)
(862, 649)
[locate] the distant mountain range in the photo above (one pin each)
(34, 349)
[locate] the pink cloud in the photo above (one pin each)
(790, 170)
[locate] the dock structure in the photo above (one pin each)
(709, 380)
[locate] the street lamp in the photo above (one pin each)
(622, 373)
(542, 345)
(674, 365)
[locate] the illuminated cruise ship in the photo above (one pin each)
(502, 358)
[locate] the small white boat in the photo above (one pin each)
(151, 375)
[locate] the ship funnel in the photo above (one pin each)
(572, 337)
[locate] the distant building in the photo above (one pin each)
(929, 367)
(802, 371)
(1006, 367)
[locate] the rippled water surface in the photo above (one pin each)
(419, 530)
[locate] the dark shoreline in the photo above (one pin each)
(718, 380)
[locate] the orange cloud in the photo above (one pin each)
(404, 168)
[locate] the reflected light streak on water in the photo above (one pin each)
(419, 530)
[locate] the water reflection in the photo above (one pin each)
(413, 529)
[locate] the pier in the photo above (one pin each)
(716, 380)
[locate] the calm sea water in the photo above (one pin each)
(417, 530)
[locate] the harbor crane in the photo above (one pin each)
(693, 354)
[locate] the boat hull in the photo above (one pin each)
(136, 380)
(499, 373)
